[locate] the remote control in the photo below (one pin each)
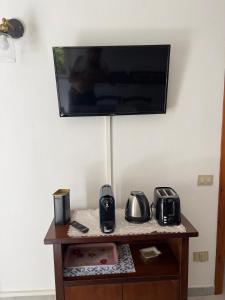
(79, 227)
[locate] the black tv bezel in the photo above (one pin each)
(163, 111)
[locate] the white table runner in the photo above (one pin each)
(90, 218)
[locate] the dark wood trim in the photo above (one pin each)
(94, 292)
(58, 263)
(170, 267)
(57, 234)
(184, 269)
(220, 248)
(165, 267)
(154, 290)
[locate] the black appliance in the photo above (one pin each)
(112, 80)
(106, 209)
(137, 208)
(167, 206)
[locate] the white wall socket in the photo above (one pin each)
(205, 179)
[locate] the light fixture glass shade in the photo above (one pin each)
(7, 48)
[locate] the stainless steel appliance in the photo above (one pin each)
(137, 208)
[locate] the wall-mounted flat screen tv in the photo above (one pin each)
(112, 80)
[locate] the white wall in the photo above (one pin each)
(41, 152)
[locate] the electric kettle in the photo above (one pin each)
(137, 208)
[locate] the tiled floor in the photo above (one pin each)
(221, 297)
(30, 298)
(47, 297)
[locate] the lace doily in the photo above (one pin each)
(90, 218)
(125, 265)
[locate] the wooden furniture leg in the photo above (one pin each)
(58, 263)
(184, 269)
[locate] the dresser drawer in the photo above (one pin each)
(94, 292)
(154, 290)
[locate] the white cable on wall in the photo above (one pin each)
(111, 153)
(109, 149)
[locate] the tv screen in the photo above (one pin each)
(111, 80)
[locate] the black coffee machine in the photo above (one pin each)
(106, 209)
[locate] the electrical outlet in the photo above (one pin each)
(205, 179)
(201, 256)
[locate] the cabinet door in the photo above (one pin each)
(155, 290)
(94, 292)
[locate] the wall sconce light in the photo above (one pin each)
(9, 30)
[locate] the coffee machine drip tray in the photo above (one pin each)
(90, 218)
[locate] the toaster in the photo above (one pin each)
(167, 206)
(107, 209)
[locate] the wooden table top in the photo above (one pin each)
(57, 234)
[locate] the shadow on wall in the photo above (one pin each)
(141, 177)
(146, 174)
(92, 186)
(180, 46)
(33, 38)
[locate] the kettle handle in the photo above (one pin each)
(143, 204)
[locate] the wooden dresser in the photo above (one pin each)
(163, 278)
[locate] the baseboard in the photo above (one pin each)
(201, 291)
(37, 294)
(50, 294)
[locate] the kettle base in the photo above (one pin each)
(136, 220)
